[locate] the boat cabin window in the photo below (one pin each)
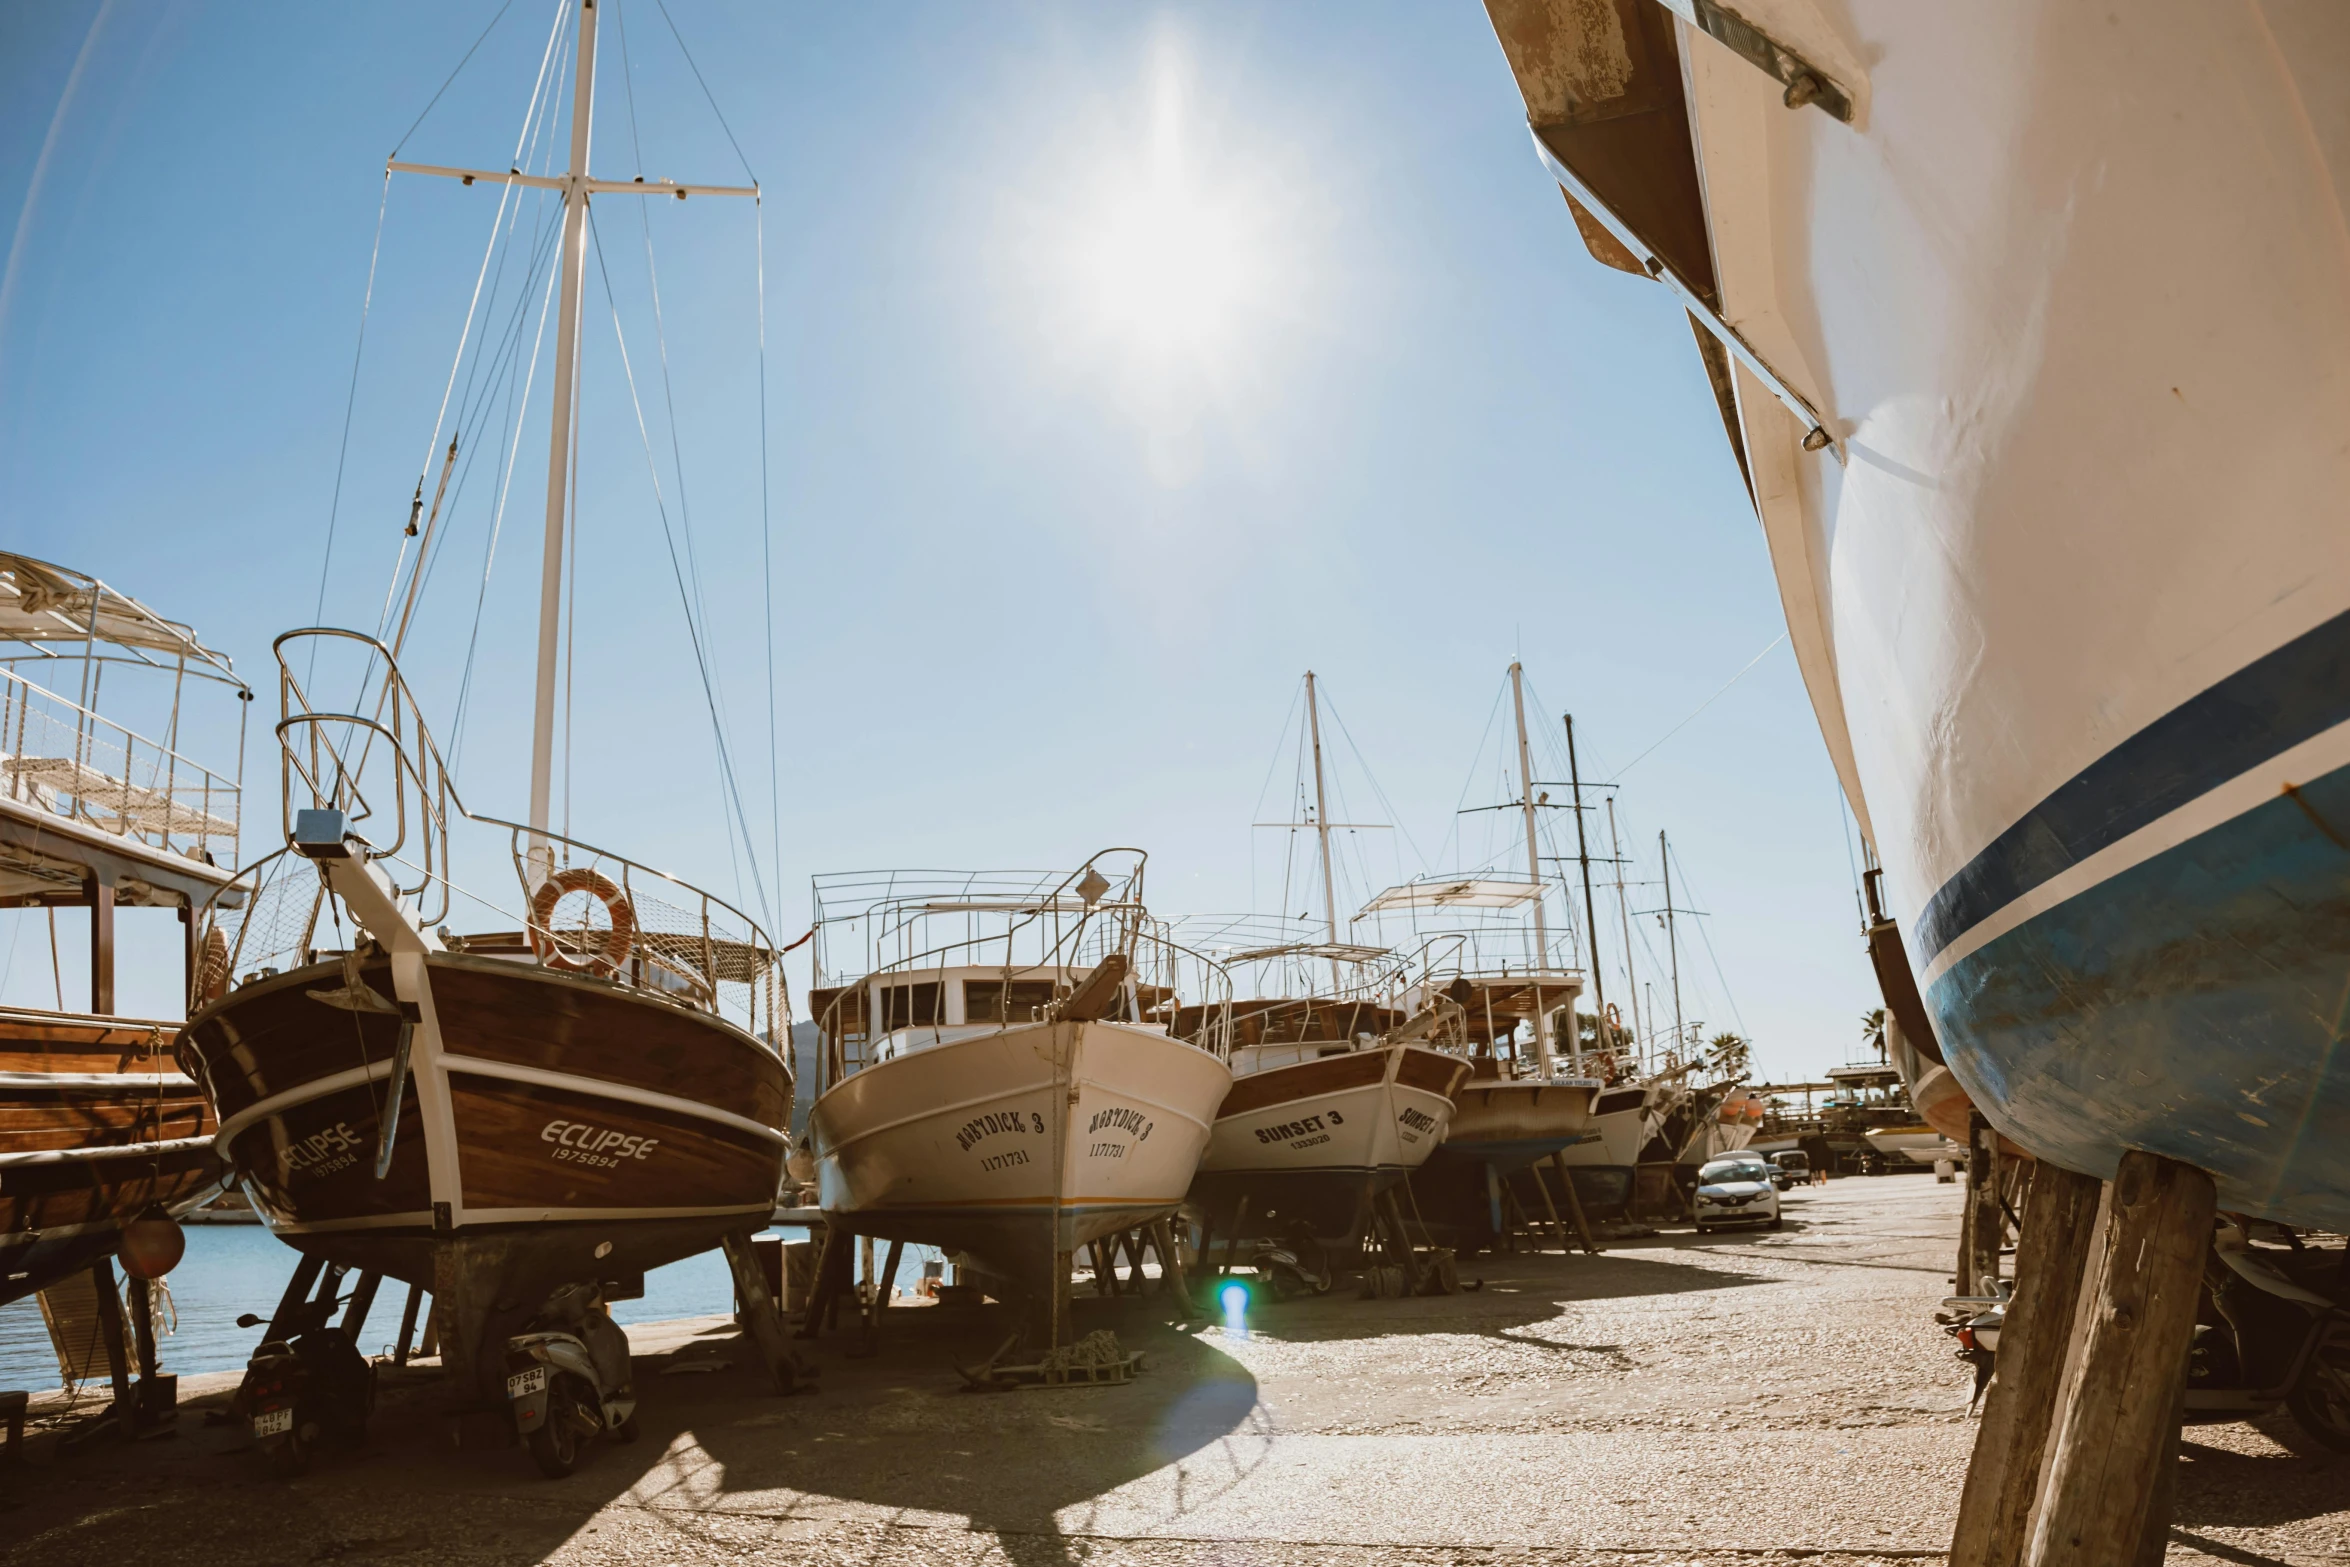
(983, 1000)
(910, 1006)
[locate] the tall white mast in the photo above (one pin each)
(575, 200)
(575, 186)
(1322, 827)
(1542, 1057)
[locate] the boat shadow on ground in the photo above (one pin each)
(2221, 1486)
(896, 1439)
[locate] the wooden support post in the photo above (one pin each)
(1989, 1225)
(833, 1280)
(1550, 1210)
(1232, 1241)
(762, 1319)
(1574, 1203)
(407, 1325)
(1057, 1323)
(101, 945)
(362, 1302)
(1519, 1223)
(884, 1283)
(1995, 1510)
(110, 1336)
(1171, 1274)
(143, 1341)
(1135, 1277)
(2105, 1468)
(297, 1295)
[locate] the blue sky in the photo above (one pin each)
(1121, 365)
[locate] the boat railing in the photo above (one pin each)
(64, 758)
(1105, 928)
(581, 908)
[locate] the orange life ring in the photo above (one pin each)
(618, 942)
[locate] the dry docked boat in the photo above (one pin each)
(585, 1083)
(2029, 347)
(586, 1090)
(1007, 1072)
(97, 1124)
(1335, 1098)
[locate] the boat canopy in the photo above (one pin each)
(42, 603)
(1476, 892)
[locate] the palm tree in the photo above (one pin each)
(1872, 1031)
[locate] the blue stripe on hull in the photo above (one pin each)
(2193, 1006)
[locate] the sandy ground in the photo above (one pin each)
(1750, 1397)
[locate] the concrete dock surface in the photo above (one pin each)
(1753, 1397)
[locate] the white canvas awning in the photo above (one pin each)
(1471, 892)
(44, 603)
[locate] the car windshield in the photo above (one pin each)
(1733, 1170)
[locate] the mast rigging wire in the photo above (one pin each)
(461, 64)
(676, 566)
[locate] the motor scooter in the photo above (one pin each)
(2270, 1331)
(306, 1384)
(567, 1379)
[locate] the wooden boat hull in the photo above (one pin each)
(556, 1129)
(1011, 1146)
(1313, 1143)
(95, 1128)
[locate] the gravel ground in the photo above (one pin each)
(1737, 1398)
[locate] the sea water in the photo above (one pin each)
(230, 1269)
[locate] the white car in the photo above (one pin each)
(1736, 1190)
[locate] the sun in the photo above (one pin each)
(1173, 260)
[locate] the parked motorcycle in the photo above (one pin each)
(2271, 1330)
(1290, 1268)
(312, 1383)
(567, 1379)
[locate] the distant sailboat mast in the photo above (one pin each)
(1322, 827)
(1542, 1044)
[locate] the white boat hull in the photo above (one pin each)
(1013, 1145)
(2065, 571)
(1314, 1143)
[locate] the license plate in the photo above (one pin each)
(524, 1383)
(271, 1422)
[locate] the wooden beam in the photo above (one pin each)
(1995, 1509)
(2105, 1470)
(1989, 1225)
(101, 945)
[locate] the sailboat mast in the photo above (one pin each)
(1664, 855)
(1590, 909)
(1322, 827)
(1542, 1045)
(1624, 915)
(575, 200)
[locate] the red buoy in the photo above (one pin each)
(152, 1245)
